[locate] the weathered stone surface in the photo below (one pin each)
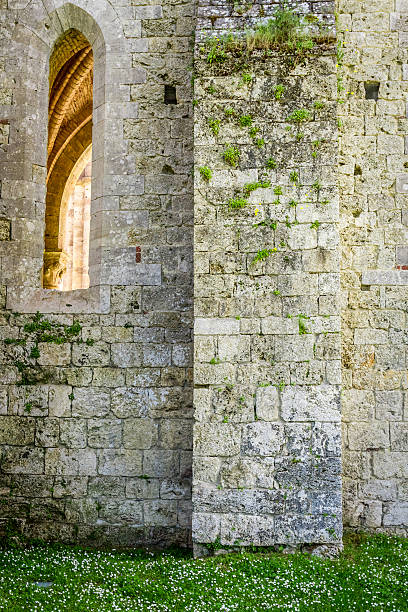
(320, 403)
(139, 433)
(263, 439)
(160, 513)
(17, 431)
(220, 439)
(364, 436)
(73, 433)
(105, 424)
(70, 462)
(119, 462)
(90, 402)
(267, 403)
(120, 512)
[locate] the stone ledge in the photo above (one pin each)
(95, 300)
(385, 277)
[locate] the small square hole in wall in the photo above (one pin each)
(170, 96)
(371, 90)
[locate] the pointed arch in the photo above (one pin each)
(42, 25)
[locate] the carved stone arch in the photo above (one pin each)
(40, 24)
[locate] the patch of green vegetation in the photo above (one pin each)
(316, 186)
(211, 89)
(246, 78)
(267, 223)
(299, 116)
(278, 91)
(245, 120)
(263, 254)
(302, 327)
(215, 361)
(318, 104)
(249, 187)
(285, 29)
(253, 131)
(293, 203)
(218, 47)
(277, 190)
(271, 163)
(214, 125)
(315, 224)
(300, 136)
(236, 203)
(229, 112)
(231, 156)
(259, 142)
(39, 330)
(294, 177)
(206, 173)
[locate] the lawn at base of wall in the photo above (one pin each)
(371, 574)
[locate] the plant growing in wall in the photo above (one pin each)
(34, 333)
(214, 125)
(206, 173)
(231, 156)
(263, 254)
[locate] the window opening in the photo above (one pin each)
(69, 166)
(170, 95)
(371, 90)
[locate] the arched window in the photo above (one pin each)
(67, 215)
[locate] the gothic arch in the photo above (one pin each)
(40, 25)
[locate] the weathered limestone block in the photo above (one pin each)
(119, 462)
(389, 405)
(221, 439)
(139, 433)
(17, 431)
(399, 436)
(47, 432)
(104, 433)
(206, 527)
(51, 354)
(90, 402)
(396, 513)
(320, 403)
(364, 436)
(263, 439)
(20, 460)
(176, 433)
(384, 490)
(142, 488)
(81, 511)
(70, 462)
(59, 401)
(96, 355)
(160, 463)
(70, 486)
(119, 512)
(161, 513)
(390, 464)
(267, 403)
(31, 397)
(130, 401)
(73, 433)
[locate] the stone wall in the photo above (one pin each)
(267, 460)
(374, 203)
(96, 444)
(96, 399)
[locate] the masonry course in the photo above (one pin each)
(235, 376)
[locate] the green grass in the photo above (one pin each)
(371, 574)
